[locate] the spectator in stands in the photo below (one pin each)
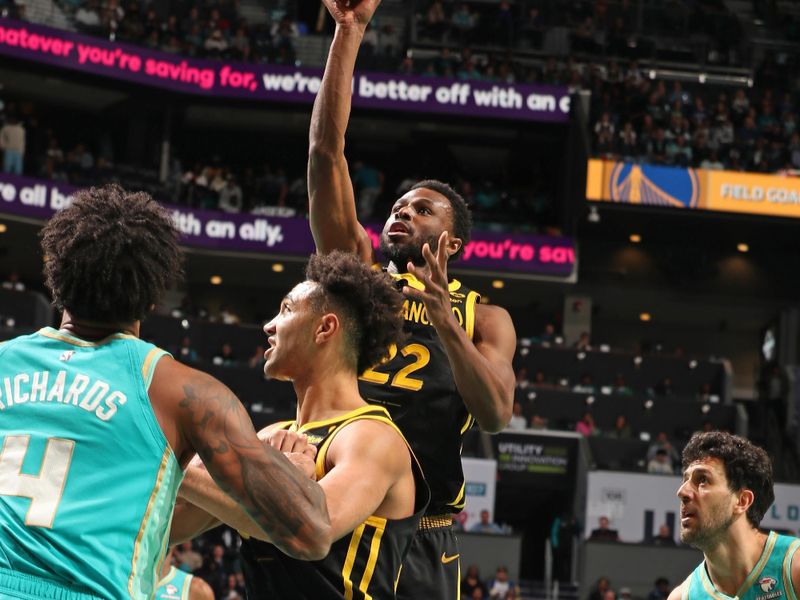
(215, 44)
(186, 353)
(284, 33)
(230, 196)
(227, 316)
(463, 22)
(501, 587)
(661, 589)
(604, 533)
(257, 360)
(664, 537)
(662, 443)
(517, 422)
(621, 431)
(585, 385)
(660, 464)
(225, 357)
(13, 283)
(584, 342)
(471, 582)
(600, 587)
(522, 378)
(485, 525)
(187, 558)
(12, 143)
(232, 588)
(664, 387)
(620, 387)
(368, 184)
(586, 426)
(435, 20)
(610, 595)
(539, 379)
(625, 593)
(538, 422)
(87, 17)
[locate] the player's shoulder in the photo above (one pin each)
(492, 320)
(373, 440)
(200, 590)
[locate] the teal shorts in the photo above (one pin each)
(20, 586)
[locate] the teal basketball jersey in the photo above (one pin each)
(770, 579)
(87, 478)
(175, 586)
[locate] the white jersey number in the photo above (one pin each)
(44, 489)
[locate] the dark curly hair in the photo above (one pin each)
(462, 216)
(366, 301)
(746, 467)
(110, 256)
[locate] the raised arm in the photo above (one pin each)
(332, 208)
(210, 420)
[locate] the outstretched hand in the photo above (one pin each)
(352, 12)
(436, 295)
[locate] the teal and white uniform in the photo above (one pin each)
(770, 579)
(175, 586)
(87, 478)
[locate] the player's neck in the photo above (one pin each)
(327, 396)
(395, 270)
(88, 329)
(731, 560)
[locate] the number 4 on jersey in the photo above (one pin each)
(44, 489)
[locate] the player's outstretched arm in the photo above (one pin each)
(482, 366)
(332, 209)
(210, 420)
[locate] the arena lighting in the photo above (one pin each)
(648, 404)
(531, 395)
(185, 324)
(589, 400)
(524, 351)
(635, 238)
(594, 216)
(743, 248)
(3, 228)
(498, 284)
(701, 78)
(581, 355)
(215, 280)
(637, 361)
(692, 364)
(705, 408)
(645, 316)
(278, 267)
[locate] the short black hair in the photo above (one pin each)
(462, 216)
(367, 301)
(746, 467)
(110, 255)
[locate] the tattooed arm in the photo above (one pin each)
(199, 414)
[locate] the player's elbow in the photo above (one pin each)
(312, 543)
(496, 420)
(321, 155)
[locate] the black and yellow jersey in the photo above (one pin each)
(416, 385)
(363, 564)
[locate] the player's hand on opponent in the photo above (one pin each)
(352, 13)
(296, 448)
(437, 293)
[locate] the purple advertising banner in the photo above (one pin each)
(226, 79)
(506, 253)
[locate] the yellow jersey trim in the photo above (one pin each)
(787, 570)
(350, 559)
(159, 478)
(469, 313)
(149, 365)
(459, 498)
(51, 333)
(762, 562)
(415, 283)
(344, 417)
(372, 560)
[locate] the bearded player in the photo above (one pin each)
(727, 488)
(455, 369)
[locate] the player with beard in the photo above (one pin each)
(455, 369)
(727, 488)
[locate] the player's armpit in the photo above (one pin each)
(286, 505)
(365, 460)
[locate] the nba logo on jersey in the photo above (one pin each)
(172, 590)
(767, 583)
(66, 355)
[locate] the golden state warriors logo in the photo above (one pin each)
(668, 187)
